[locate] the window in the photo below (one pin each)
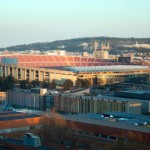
(104, 136)
(32, 127)
(96, 134)
(112, 137)
(80, 132)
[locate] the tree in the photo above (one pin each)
(78, 83)
(46, 84)
(2, 83)
(82, 83)
(54, 84)
(67, 84)
(86, 83)
(35, 83)
(24, 84)
(55, 129)
(7, 83)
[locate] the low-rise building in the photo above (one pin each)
(27, 99)
(17, 123)
(72, 103)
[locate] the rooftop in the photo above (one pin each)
(120, 117)
(138, 91)
(112, 121)
(10, 115)
(103, 97)
(106, 68)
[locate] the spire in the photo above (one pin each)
(95, 45)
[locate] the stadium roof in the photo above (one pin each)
(106, 68)
(50, 60)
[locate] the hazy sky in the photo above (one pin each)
(29, 21)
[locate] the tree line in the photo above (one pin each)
(7, 83)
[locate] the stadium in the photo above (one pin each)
(49, 67)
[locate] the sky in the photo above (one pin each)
(30, 21)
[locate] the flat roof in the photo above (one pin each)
(105, 97)
(113, 98)
(4, 116)
(118, 115)
(101, 122)
(128, 117)
(107, 123)
(106, 68)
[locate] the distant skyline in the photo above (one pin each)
(30, 21)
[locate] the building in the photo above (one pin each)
(101, 75)
(85, 130)
(135, 94)
(142, 96)
(33, 99)
(95, 45)
(100, 52)
(126, 60)
(73, 103)
(48, 100)
(85, 54)
(16, 123)
(26, 99)
(136, 45)
(92, 131)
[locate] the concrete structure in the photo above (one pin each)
(31, 140)
(29, 99)
(34, 99)
(96, 75)
(97, 71)
(72, 103)
(34, 73)
(102, 75)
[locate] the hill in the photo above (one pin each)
(76, 45)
